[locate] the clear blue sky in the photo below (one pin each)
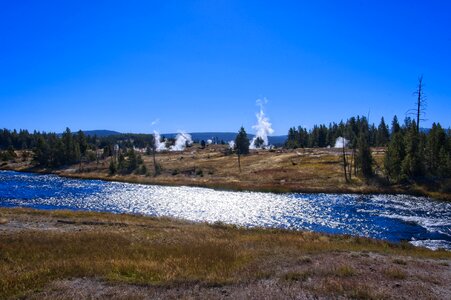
(200, 65)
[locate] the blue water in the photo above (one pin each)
(421, 221)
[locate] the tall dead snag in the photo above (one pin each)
(420, 109)
(345, 163)
(421, 101)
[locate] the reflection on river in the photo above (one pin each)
(421, 221)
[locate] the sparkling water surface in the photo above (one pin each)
(421, 221)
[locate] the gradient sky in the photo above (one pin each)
(201, 65)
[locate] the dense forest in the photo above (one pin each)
(411, 153)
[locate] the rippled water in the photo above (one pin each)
(421, 221)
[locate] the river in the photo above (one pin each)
(418, 220)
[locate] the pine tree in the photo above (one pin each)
(436, 140)
(364, 159)
(132, 161)
(241, 145)
(394, 156)
(112, 168)
(395, 125)
(41, 152)
(82, 141)
(382, 133)
(412, 165)
(258, 142)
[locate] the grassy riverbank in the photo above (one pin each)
(64, 254)
(318, 170)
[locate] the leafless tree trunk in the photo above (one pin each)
(344, 163)
(419, 110)
(420, 101)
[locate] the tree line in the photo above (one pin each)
(410, 154)
(324, 136)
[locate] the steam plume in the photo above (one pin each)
(341, 142)
(263, 127)
(181, 140)
(159, 145)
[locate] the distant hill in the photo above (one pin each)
(227, 136)
(100, 133)
(196, 136)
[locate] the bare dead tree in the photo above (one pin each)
(344, 163)
(420, 109)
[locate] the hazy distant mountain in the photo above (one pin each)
(101, 133)
(196, 136)
(226, 137)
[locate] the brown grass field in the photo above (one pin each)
(86, 255)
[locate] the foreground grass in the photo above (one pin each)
(40, 247)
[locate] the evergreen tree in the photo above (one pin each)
(41, 152)
(394, 156)
(241, 145)
(112, 168)
(436, 141)
(132, 161)
(383, 134)
(258, 142)
(121, 163)
(395, 125)
(364, 159)
(82, 141)
(412, 165)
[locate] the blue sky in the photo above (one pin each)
(201, 65)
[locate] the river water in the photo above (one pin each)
(420, 221)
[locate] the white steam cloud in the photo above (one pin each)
(159, 145)
(263, 127)
(232, 145)
(341, 142)
(209, 142)
(182, 139)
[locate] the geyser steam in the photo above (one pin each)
(159, 145)
(181, 140)
(263, 127)
(341, 142)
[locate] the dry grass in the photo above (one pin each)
(395, 273)
(41, 247)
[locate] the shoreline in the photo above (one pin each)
(240, 186)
